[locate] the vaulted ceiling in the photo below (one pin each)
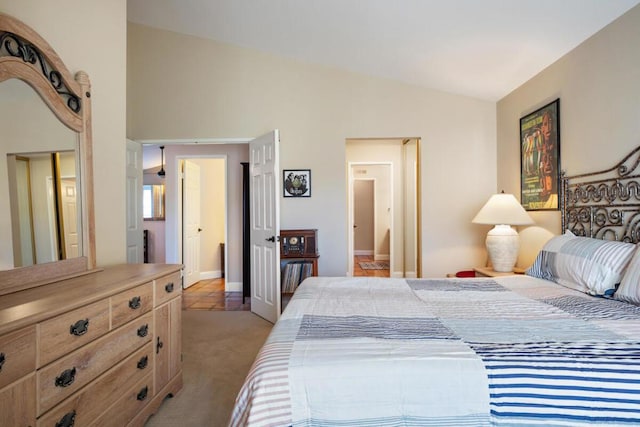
(479, 48)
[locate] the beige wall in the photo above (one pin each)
(598, 84)
(91, 36)
(186, 87)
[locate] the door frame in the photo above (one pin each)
(350, 208)
(173, 230)
(180, 194)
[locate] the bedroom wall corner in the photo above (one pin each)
(598, 84)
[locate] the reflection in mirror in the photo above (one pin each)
(153, 201)
(44, 207)
(31, 137)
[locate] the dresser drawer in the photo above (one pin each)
(130, 304)
(64, 333)
(167, 287)
(86, 405)
(64, 377)
(17, 354)
(132, 402)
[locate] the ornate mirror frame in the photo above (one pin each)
(25, 55)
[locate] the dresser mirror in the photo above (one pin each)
(46, 213)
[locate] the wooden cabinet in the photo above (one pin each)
(103, 348)
(298, 260)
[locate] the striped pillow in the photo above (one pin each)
(629, 289)
(588, 265)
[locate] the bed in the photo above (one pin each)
(557, 346)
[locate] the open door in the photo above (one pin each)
(265, 226)
(135, 248)
(191, 221)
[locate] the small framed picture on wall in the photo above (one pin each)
(296, 183)
(540, 158)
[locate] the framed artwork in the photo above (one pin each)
(296, 183)
(540, 158)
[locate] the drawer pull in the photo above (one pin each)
(143, 330)
(142, 394)
(79, 328)
(134, 303)
(142, 363)
(159, 345)
(68, 420)
(66, 378)
(169, 287)
(2, 360)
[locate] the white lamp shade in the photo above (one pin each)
(502, 209)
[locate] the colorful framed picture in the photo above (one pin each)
(540, 158)
(296, 183)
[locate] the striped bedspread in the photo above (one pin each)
(452, 352)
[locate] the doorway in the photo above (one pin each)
(399, 198)
(203, 210)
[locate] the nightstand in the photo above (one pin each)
(488, 272)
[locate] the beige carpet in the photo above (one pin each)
(218, 349)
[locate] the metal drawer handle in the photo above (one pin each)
(169, 287)
(159, 345)
(2, 360)
(142, 394)
(134, 303)
(68, 420)
(79, 328)
(66, 378)
(143, 330)
(142, 363)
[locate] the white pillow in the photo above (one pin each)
(588, 265)
(629, 289)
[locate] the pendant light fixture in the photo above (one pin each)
(161, 171)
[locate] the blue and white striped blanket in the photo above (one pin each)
(451, 352)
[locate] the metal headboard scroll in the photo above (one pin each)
(605, 204)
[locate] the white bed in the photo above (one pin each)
(557, 347)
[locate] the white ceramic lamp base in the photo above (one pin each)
(503, 244)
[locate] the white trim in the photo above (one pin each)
(381, 257)
(362, 252)
(197, 141)
(233, 286)
(208, 275)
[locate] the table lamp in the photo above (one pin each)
(503, 242)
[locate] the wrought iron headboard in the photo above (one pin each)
(605, 204)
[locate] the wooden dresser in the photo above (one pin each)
(100, 349)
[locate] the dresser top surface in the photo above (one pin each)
(27, 307)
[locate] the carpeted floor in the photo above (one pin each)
(376, 265)
(218, 348)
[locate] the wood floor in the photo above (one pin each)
(358, 271)
(210, 294)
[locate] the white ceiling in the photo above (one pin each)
(480, 48)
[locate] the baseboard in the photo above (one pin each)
(207, 275)
(408, 275)
(362, 252)
(233, 286)
(381, 257)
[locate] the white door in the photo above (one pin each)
(70, 217)
(191, 223)
(135, 246)
(265, 226)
